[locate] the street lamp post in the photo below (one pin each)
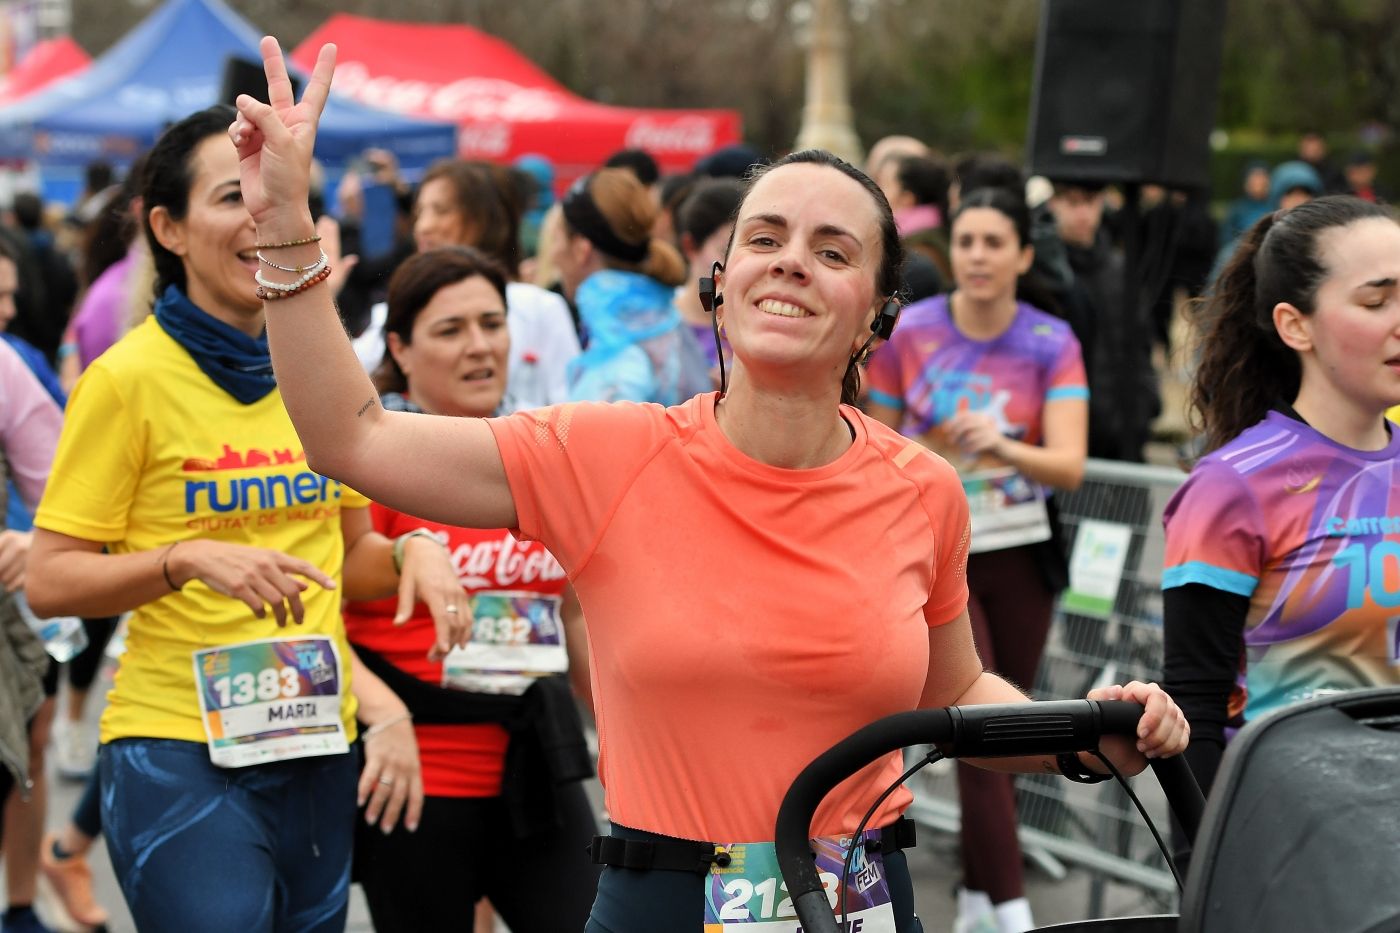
(826, 114)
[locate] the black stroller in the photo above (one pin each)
(1301, 834)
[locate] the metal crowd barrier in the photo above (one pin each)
(1118, 639)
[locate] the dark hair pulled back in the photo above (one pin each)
(1005, 201)
(167, 179)
(624, 207)
(1032, 287)
(889, 278)
(709, 205)
(1245, 367)
(413, 285)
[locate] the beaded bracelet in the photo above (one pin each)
(275, 294)
(308, 274)
(299, 270)
(315, 238)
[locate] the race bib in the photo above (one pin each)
(271, 700)
(750, 892)
(1007, 510)
(516, 639)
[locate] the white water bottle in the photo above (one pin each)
(64, 637)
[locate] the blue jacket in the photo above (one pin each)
(638, 349)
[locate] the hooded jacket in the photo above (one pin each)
(638, 349)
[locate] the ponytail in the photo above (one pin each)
(663, 263)
(613, 211)
(1245, 368)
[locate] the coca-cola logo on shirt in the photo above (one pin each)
(504, 562)
(463, 99)
(683, 134)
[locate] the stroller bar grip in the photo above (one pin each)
(1047, 728)
(988, 731)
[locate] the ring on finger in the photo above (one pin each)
(452, 609)
(387, 781)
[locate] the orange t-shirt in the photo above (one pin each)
(742, 618)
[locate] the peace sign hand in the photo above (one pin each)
(274, 140)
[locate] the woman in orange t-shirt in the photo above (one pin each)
(478, 710)
(762, 569)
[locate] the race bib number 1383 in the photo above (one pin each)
(270, 700)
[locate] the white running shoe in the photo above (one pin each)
(75, 753)
(975, 913)
(1014, 916)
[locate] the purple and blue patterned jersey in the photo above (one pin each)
(930, 371)
(1309, 532)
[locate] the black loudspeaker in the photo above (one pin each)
(245, 76)
(1125, 90)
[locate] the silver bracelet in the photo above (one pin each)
(377, 728)
(299, 270)
(402, 540)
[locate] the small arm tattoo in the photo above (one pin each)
(369, 403)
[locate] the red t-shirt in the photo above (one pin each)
(467, 760)
(742, 618)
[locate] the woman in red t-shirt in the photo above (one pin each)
(447, 346)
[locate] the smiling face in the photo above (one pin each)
(799, 281)
(215, 240)
(455, 362)
(1352, 338)
(987, 255)
(437, 217)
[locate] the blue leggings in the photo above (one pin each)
(262, 849)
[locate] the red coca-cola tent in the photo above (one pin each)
(503, 103)
(45, 63)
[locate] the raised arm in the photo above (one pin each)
(448, 469)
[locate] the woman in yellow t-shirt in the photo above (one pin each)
(181, 492)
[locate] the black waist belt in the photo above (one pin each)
(695, 856)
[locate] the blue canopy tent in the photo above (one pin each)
(169, 66)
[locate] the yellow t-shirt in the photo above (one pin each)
(1393, 414)
(153, 452)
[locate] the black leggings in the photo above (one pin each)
(1010, 608)
(82, 670)
(464, 850)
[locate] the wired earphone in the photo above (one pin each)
(710, 299)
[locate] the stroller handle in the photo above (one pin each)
(994, 730)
